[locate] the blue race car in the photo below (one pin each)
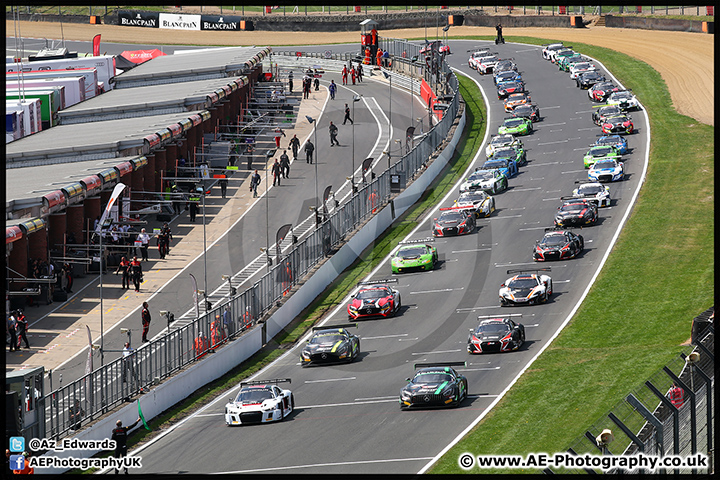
(507, 167)
(507, 76)
(617, 141)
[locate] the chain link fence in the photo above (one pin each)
(97, 393)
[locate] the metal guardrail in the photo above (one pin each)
(118, 381)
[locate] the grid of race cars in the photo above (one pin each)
(438, 383)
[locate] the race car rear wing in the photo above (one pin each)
(333, 327)
(558, 229)
(378, 282)
(455, 207)
(421, 240)
(265, 382)
(440, 364)
(525, 270)
(503, 315)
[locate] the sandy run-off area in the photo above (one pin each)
(686, 61)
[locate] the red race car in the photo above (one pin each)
(375, 298)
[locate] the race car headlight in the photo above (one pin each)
(352, 308)
(305, 355)
(448, 391)
(405, 395)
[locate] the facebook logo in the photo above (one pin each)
(17, 444)
(17, 462)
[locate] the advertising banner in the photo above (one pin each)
(220, 22)
(132, 18)
(179, 22)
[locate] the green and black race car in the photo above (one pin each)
(516, 126)
(600, 152)
(414, 255)
(435, 385)
(515, 153)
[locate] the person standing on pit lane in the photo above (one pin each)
(22, 327)
(146, 318)
(285, 164)
(120, 434)
(295, 146)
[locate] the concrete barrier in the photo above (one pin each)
(653, 23)
(213, 366)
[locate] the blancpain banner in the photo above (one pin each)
(179, 22)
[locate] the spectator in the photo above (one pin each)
(200, 345)
(295, 146)
(144, 240)
(276, 171)
(333, 134)
(309, 149)
(128, 356)
(285, 164)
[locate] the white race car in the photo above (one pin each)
(595, 192)
(623, 99)
(578, 69)
(475, 57)
(526, 288)
(486, 64)
(606, 171)
(492, 181)
(501, 141)
(259, 402)
(549, 48)
(478, 201)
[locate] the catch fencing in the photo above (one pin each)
(652, 421)
(118, 381)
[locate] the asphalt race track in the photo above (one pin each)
(347, 418)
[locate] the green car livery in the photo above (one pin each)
(414, 255)
(516, 126)
(600, 152)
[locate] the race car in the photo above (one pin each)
(588, 79)
(558, 244)
(624, 99)
(576, 212)
(493, 181)
(506, 76)
(515, 154)
(516, 99)
(495, 334)
(453, 222)
(528, 110)
(374, 298)
(526, 288)
(501, 141)
(331, 345)
(504, 65)
(617, 141)
(507, 88)
(564, 63)
(475, 57)
(602, 112)
(414, 255)
(438, 45)
(594, 192)
(506, 166)
(606, 171)
(486, 64)
(477, 201)
(618, 124)
(549, 48)
(600, 152)
(434, 385)
(601, 90)
(563, 52)
(579, 68)
(515, 126)
(259, 402)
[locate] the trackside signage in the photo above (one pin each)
(219, 22)
(132, 18)
(179, 22)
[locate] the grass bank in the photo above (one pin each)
(658, 277)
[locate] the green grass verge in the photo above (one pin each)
(468, 145)
(659, 276)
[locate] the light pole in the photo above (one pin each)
(356, 98)
(268, 155)
(317, 148)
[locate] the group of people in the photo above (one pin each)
(17, 327)
(131, 272)
(355, 72)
